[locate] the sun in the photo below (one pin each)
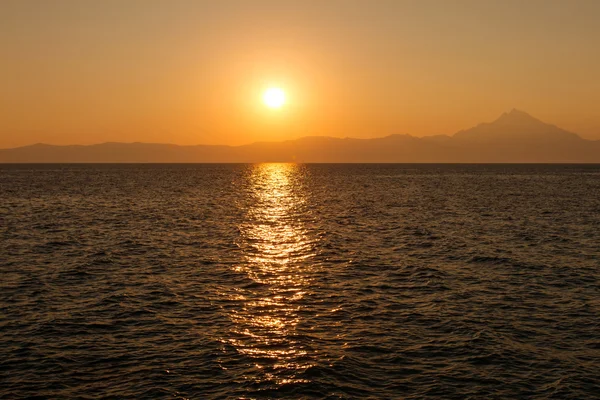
(274, 97)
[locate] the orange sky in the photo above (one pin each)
(193, 72)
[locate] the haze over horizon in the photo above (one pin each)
(193, 72)
(514, 137)
(507, 121)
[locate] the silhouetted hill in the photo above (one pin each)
(515, 137)
(515, 127)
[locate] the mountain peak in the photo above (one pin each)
(515, 127)
(517, 117)
(514, 111)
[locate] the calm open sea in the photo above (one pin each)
(300, 281)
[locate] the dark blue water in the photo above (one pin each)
(299, 281)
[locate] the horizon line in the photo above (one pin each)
(513, 111)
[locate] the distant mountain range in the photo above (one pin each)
(515, 137)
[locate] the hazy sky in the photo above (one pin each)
(193, 72)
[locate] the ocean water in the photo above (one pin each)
(274, 281)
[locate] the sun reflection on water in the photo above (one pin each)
(277, 247)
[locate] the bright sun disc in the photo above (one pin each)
(274, 97)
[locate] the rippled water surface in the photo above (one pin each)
(299, 281)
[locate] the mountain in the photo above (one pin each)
(515, 127)
(515, 137)
(518, 137)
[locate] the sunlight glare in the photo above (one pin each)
(274, 97)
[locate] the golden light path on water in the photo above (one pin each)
(277, 248)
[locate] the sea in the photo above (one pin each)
(299, 281)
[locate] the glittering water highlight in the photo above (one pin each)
(299, 281)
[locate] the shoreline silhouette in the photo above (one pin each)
(515, 137)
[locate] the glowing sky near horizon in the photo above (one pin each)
(191, 72)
